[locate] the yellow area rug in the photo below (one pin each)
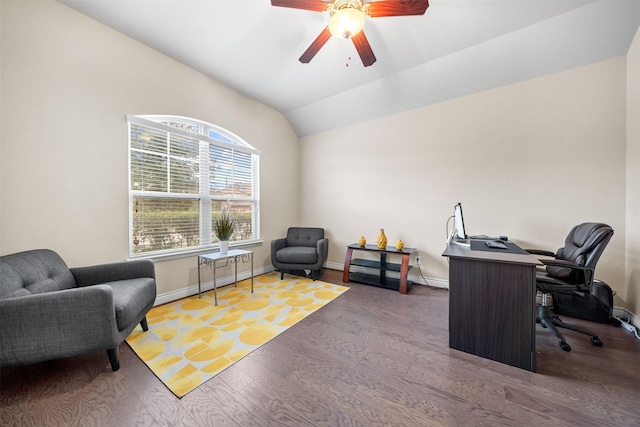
(191, 340)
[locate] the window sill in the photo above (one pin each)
(193, 252)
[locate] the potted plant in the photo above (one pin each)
(223, 227)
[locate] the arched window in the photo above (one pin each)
(182, 173)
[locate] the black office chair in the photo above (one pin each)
(570, 270)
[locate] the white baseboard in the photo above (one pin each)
(626, 314)
(417, 279)
(208, 285)
(440, 283)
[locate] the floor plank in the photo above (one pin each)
(370, 357)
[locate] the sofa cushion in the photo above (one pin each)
(10, 282)
(131, 298)
(304, 236)
(35, 271)
(297, 255)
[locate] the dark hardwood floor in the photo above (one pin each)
(371, 357)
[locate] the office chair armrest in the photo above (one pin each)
(563, 263)
(552, 285)
(540, 252)
(588, 272)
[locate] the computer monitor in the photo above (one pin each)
(458, 223)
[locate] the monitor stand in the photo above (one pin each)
(462, 242)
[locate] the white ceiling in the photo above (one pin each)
(456, 48)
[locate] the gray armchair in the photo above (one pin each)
(304, 248)
(49, 311)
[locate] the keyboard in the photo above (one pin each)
(496, 244)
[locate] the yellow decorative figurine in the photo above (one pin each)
(382, 240)
(399, 245)
(362, 241)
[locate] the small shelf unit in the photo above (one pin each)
(379, 278)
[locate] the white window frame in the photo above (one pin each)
(226, 140)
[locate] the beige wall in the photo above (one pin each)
(67, 83)
(528, 160)
(632, 292)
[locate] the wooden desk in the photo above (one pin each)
(381, 279)
(492, 311)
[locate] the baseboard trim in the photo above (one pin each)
(420, 280)
(436, 283)
(188, 291)
(441, 283)
(626, 314)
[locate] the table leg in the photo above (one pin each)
(215, 292)
(383, 269)
(251, 272)
(404, 271)
(236, 272)
(199, 289)
(347, 265)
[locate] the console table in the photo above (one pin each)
(381, 279)
(492, 305)
(233, 256)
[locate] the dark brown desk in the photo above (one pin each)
(492, 311)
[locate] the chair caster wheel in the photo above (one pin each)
(565, 346)
(595, 341)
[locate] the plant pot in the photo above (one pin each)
(224, 246)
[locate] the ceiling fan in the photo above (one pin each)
(347, 20)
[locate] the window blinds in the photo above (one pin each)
(179, 181)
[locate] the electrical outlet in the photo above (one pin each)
(418, 259)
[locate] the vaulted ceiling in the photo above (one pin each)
(456, 48)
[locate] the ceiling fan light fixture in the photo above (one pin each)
(347, 20)
(346, 23)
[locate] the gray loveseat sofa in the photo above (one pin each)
(49, 311)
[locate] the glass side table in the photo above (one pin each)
(233, 256)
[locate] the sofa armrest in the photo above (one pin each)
(113, 272)
(276, 245)
(56, 324)
(323, 249)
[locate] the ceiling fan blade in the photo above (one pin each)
(311, 51)
(364, 49)
(378, 9)
(315, 5)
